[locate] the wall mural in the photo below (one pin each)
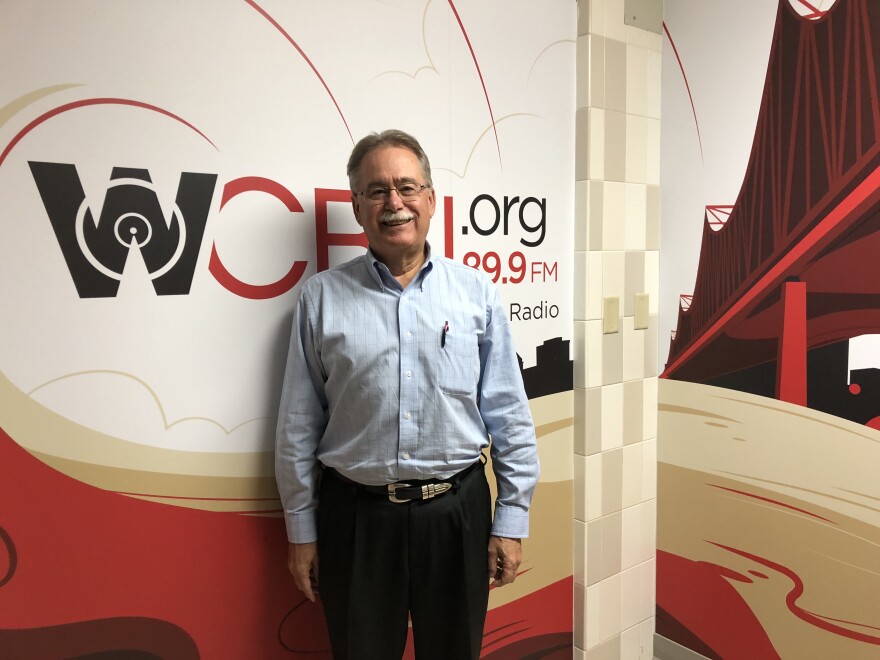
(170, 173)
(768, 489)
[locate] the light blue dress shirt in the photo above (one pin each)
(374, 390)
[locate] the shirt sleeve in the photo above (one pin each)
(504, 407)
(302, 419)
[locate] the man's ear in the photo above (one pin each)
(432, 202)
(355, 207)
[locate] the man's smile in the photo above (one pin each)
(396, 218)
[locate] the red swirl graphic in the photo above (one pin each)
(293, 43)
(686, 84)
(772, 501)
(797, 591)
(98, 101)
(11, 557)
(479, 73)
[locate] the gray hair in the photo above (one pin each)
(390, 138)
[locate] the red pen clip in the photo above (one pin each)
(443, 334)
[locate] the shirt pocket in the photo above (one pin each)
(459, 369)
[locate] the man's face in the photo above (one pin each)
(396, 228)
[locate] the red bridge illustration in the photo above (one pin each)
(794, 264)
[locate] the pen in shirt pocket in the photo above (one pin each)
(443, 333)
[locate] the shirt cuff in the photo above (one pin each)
(510, 522)
(301, 527)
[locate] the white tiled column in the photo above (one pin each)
(617, 173)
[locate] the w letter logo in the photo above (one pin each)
(96, 251)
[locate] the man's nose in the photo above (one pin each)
(393, 201)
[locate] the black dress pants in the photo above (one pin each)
(380, 562)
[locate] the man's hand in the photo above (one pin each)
(302, 562)
(505, 556)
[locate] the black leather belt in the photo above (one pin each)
(402, 492)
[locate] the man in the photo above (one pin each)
(401, 367)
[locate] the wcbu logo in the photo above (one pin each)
(132, 218)
(96, 252)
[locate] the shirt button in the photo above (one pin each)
(406, 455)
(408, 334)
(409, 374)
(407, 415)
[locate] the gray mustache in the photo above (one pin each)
(395, 216)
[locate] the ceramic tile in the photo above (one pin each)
(652, 218)
(596, 198)
(613, 274)
(634, 280)
(609, 599)
(593, 369)
(649, 470)
(631, 595)
(649, 420)
(593, 421)
(649, 589)
(581, 143)
(633, 474)
(592, 486)
(636, 149)
(579, 353)
(579, 530)
(597, 136)
(649, 530)
(615, 27)
(633, 411)
(647, 39)
(614, 216)
(615, 146)
(594, 552)
(646, 639)
(597, 16)
(612, 358)
(652, 280)
(630, 537)
(635, 212)
(636, 79)
(579, 427)
(582, 70)
(595, 261)
(607, 650)
(578, 615)
(615, 75)
(630, 644)
(633, 350)
(652, 151)
(579, 475)
(612, 492)
(579, 286)
(592, 610)
(578, 653)
(596, 91)
(583, 17)
(652, 84)
(652, 355)
(612, 416)
(611, 542)
(636, 36)
(581, 214)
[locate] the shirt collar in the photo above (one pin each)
(377, 268)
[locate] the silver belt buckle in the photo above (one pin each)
(428, 491)
(392, 489)
(432, 490)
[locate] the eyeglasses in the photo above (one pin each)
(408, 192)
